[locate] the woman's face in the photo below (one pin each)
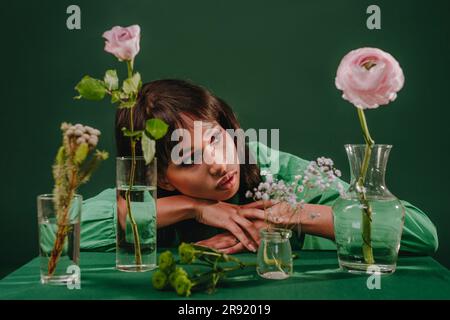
(217, 176)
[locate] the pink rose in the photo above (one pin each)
(369, 77)
(123, 42)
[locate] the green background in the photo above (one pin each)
(273, 61)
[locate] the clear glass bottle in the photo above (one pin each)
(59, 240)
(274, 259)
(368, 219)
(136, 218)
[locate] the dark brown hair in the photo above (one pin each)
(167, 100)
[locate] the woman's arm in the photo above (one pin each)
(419, 233)
(217, 214)
(173, 209)
(317, 220)
(312, 219)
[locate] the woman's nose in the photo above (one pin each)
(218, 169)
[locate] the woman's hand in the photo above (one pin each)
(313, 219)
(227, 243)
(278, 213)
(233, 218)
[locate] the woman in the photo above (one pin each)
(205, 202)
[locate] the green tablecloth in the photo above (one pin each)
(316, 276)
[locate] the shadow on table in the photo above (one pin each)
(310, 273)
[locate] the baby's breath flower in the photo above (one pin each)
(269, 178)
(360, 189)
(319, 174)
(341, 190)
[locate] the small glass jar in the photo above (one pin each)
(274, 259)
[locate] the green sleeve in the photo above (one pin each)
(419, 234)
(98, 222)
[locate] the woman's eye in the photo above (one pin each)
(215, 138)
(186, 165)
(190, 160)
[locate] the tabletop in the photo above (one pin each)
(316, 276)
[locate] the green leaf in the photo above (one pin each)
(157, 128)
(129, 133)
(115, 96)
(91, 89)
(123, 95)
(60, 156)
(111, 80)
(127, 104)
(81, 153)
(148, 148)
(132, 85)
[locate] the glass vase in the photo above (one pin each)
(59, 241)
(274, 258)
(136, 185)
(368, 218)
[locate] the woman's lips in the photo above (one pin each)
(227, 182)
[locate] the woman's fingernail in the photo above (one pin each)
(252, 247)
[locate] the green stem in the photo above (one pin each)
(207, 253)
(271, 262)
(367, 209)
(130, 68)
(137, 243)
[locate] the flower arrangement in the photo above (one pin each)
(217, 264)
(368, 78)
(75, 162)
(319, 174)
(124, 44)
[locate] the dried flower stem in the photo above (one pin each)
(69, 174)
(63, 227)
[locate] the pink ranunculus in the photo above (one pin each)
(123, 42)
(369, 77)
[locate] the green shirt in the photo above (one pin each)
(98, 220)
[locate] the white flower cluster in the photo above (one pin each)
(322, 174)
(319, 174)
(81, 134)
(275, 189)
